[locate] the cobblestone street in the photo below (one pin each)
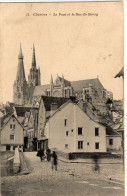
(70, 179)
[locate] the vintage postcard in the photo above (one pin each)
(61, 98)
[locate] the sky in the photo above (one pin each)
(78, 46)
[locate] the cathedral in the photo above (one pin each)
(22, 90)
(29, 93)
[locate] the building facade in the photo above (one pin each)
(30, 92)
(11, 133)
(69, 129)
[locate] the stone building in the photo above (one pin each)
(11, 133)
(69, 129)
(30, 92)
(23, 91)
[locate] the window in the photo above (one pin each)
(67, 132)
(79, 131)
(66, 145)
(97, 145)
(80, 144)
(7, 147)
(12, 126)
(96, 131)
(65, 122)
(88, 143)
(11, 137)
(110, 141)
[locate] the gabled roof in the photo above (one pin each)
(70, 101)
(50, 100)
(21, 110)
(66, 82)
(121, 73)
(80, 84)
(109, 130)
(7, 119)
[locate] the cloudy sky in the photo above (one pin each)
(79, 47)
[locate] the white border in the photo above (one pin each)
(54, 1)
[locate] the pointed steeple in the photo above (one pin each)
(20, 56)
(51, 80)
(62, 78)
(20, 72)
(33, 58)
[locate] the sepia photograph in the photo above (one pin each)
(62, 99)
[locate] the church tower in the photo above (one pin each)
(34, 75)
(20, 84)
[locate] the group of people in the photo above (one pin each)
(50, 157)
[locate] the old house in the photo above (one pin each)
(70, 129)
(48, 105)
(11, 133)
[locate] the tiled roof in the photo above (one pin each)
(66, 82)
(21, 110)
(77, 86)
(40, 90)
(109, 130)
(4, 119)
(9, 110)
(80, 84)
(49, 100)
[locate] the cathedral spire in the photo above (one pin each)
(33, 58)
(20, 72)
(20, 56)
(62, 78)
(51, 80)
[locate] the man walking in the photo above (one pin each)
(54, 160)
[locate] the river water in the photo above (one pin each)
(6, 167)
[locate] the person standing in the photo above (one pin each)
(41, 154)
(48, 154)
(54, 160)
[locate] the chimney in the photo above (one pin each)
(54, 107)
